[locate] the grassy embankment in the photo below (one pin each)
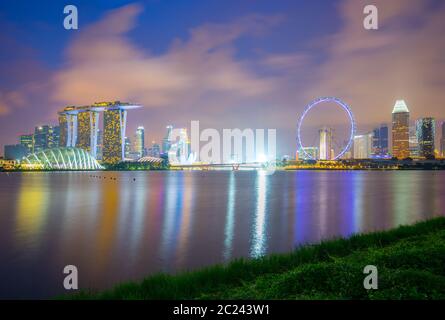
(410, 262)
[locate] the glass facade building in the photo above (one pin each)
(363, 146)
(139, 141)
(426, 133)
(325, 143)
(380, 141)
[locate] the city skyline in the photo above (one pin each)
(79, 127)
(226, 68)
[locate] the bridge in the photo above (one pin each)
(211, 166)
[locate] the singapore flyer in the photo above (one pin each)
(325, 134)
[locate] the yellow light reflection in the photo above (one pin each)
(32, 206)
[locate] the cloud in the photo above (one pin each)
(102, 64)
(403, 59)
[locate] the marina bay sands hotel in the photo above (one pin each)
(79, 127)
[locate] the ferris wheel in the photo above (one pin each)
(312, 105)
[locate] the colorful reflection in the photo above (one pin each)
(258, 247)
(230, 218)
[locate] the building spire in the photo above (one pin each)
(400, 107)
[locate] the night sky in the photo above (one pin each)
(228, 64)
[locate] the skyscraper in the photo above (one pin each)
(363, 146)
(139, 141)
(100, 141)
(127, 148)
(380, 141)
(154, 150)
(442, 140)
(68, 126)
(44, 138)
(54, 138)
(325, 143)
(27, 140)
(400, 130)
(167, 141)
(115, 120)
(87, 125)
(426, 133)
(413, 142)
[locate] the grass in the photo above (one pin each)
(410, 262)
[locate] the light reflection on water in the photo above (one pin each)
(117, 226)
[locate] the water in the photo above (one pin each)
(117, 229)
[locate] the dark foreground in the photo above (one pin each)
(410, 262)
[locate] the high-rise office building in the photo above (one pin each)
(380, 141)
(363, 146)
(27, 140)
(325, 143)
(154, 150)
(167, 141)
(15, 152)
(139, 141)
(413, 142)
(426, 133)
(43, 138)
(400, 130)
(54, 138)
(127, 147)
(442, 140)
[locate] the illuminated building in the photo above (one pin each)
(27, 140)
(68, 127)
(139, 141)
(127, 147)
(400, 130)
(325, 143)
(61, 159)
(99, 148)
(87, 126)
(426, 133)
(380, 145)
(413, 142)
(45, 137)
(167, 141)
(442, 140)
(154, 150)
(311, 153)
(79, 127)
(15, 152)
(179, 152)
(363, 146)
(115, 118)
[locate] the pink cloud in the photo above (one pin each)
(103, 65)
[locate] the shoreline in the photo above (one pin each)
(410, 261)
